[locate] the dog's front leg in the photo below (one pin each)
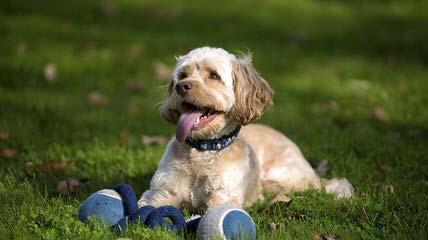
(166, 188)
(218, 191)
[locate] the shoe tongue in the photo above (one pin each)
(185, 124)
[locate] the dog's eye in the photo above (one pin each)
(182, 75)
(214, 75)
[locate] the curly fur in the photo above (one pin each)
(259, 158)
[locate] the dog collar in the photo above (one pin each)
(214, 144)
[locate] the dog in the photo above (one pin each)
(217, 156)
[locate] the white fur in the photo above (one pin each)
(217, 57)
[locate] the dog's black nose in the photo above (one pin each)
(183, 88)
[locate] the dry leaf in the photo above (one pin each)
(160, 11)
(123, 136)
(330, 237)
(380, 114)
(363, 215)
(344, 207)
(161, 70)
(4, 135)
(133, 109)
(67, 187)
(323, 167)
(153, 140)
(382, 167)
(388, 188)
(272, 226)
(97, 99)
(403, 88)
(107, 8)
(318, 236)
(425, 182)
(332, 105)
(52, 165)
(50, 72)
(9, 152)
(134, 86)
(135, 50)
(280, 199)
(413, 132)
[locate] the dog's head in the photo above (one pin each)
(211, 91)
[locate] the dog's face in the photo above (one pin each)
(212, 90)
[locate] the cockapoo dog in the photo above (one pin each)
(212, 159)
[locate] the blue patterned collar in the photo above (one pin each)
(214, 144)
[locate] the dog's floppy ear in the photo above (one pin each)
(165, 109)
(252, 93)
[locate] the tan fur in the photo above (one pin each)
(259, 158)
(253, 94)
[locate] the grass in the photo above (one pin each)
(330, 63)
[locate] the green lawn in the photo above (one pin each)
(331, 64)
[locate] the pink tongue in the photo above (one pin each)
(185, 123)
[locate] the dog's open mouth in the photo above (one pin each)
(193, 118)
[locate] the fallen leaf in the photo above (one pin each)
(50, 72)
(161, 70)
(4, 135)
(134, 86)
(123, 136)
(107, 8)
(363, 214)
(388, 188)
(153, 140)
(9, 152)
(133, 109)
(332, 105)
(281, 200)
(323, 167)
(160, 11)
(135, 50)
(330, 237)
(380, 114)
(344, 207)
(382, 167)
(413, 132)
(318, 236)
(272, 227)
(67, 187)
(425, 182)
(97, 99)
(52, 165)
(403, 88)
